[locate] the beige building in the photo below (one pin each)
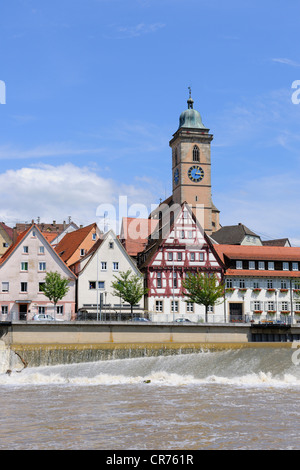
(191, 168)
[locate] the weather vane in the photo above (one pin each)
(190, 90)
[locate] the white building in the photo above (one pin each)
(23, 269)
(96, 271)
(262, 283)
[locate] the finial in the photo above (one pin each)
(190, 101)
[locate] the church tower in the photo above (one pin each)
(191, 167)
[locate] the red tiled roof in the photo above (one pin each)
(9, 231)
(247, 252)
(261, 273)
(135, 233)
(72, 240)
(14, 245)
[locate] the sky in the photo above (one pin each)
(91, 92)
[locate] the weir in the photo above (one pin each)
(30, 344)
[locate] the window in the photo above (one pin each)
(175, 280)
(41, 250)
(269, 283)
(103, 265)
(297, 284)
(196, 155)
(175, 157)
(192, 256)
(41, 285)
(60, 309)
(297, 306)
(239, 264)
(4, 309)
(179, 256)
(158, 306)
(42, 266)
(284, 306)
(33, 233)
(201, 256)
(182, 234)
(255, 284)
(285, 266)
(283, 284)
(25, 249)
(170, 256)
(271, 305)
(295, 266)
(185, 214)
(189, 307)
(115, 266)
(111, 245)
(5, 286)
(174, 306)
(210, 309)
(42, 310)
(5, 245)
(23, 286)
(158, 280)
(261, 265)
(242, 284)
(101, 284)
(271, 265)
(251, 264)
(82, 252)
(94, 236)
(24, 266)
(229, 284)
(190, 234)
(256, 305)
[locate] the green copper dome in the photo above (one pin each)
(190, 117)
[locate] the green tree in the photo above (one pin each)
(129, 288)
(204, 289)
(55, 288)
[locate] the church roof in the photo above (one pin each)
(190, 117)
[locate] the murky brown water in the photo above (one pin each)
(247, 399)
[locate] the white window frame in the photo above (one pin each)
(251, 264)
(5, 284)
(285, 266)
(103, 265)
(239, 264)
(159, 306)
(271, 265)
(42, 266)
(115, 265)
(24, 266)
(261, 265)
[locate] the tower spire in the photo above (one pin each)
(190, 101)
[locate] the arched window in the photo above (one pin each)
(196, 154)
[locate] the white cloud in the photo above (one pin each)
(286, 62)
(57, 192)
(137, 30)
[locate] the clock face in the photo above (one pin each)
(195, 173)
(176, 176)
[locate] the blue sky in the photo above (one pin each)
(94, 90)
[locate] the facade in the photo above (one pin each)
(262, 283)
(172, 252)
(22, 272)
(77, 243)
(95, 272)
(6, 237)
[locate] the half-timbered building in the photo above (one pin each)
(178, 246)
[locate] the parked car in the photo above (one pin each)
(45, 317)
(140, 319)
(182, 320)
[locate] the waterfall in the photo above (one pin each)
(9, 360)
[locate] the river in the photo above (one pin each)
(235, 399)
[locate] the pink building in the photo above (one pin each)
(23, 269)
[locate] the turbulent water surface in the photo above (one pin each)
(239, 399)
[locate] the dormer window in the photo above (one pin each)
(239, 264)
(196, 154)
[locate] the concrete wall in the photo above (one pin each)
(76, 333)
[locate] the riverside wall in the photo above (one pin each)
(52, 343)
